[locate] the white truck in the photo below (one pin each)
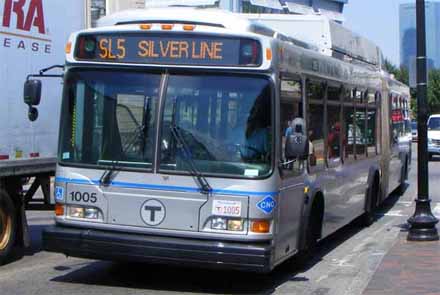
(33, 34)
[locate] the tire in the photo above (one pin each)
(312, 234)
(369, 217)
(403, 177)
(8, 227)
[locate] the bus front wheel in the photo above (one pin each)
(311, 235)
(8, 226)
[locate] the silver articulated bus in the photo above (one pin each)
(208, 138)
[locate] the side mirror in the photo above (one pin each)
(32, 92)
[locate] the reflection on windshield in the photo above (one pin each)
(108, 117)
(225, 121)
(109, 120)
(434, 124)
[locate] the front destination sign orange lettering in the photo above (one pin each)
(169, 49)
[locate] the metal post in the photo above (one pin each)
(423, 222)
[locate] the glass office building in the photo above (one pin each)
(408, 36)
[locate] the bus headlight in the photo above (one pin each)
(90, 213)
(76, 212)
(235, 225)
(219, 223)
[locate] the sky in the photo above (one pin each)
(378, 21)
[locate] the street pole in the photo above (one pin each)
(423, 222)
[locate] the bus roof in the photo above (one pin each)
(308, 31)
(216, 17)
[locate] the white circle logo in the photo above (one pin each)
(153, 212)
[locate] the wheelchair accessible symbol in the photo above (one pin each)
(59, 193)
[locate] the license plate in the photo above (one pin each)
(226, 208)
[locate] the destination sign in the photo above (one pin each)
(173, 49)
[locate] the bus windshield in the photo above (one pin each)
(224, 120)
(109, 118)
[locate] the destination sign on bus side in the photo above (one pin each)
(170, 49)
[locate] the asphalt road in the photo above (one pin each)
(344, 264)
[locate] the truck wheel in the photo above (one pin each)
(8, 226)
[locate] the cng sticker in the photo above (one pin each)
(267, 204)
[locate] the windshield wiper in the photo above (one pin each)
(205, 188)
(110, 173)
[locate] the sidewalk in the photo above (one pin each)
(408, 268)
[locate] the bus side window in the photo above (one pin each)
(348, 127)
(360, 124)
(334, 126)
(315, 125)
(378, 123)
(291, 108)
(371, 125)
(393, 129)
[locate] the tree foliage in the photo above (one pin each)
(434, 91)
(401, 74)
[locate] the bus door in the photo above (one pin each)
(395, 132)
(292, 170)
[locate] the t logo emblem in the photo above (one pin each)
(153, 212)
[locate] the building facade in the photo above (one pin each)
(331, 8)
(408, 36)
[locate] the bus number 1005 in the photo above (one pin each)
(83, 197)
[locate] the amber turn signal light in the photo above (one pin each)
(268, 54)
(260, 226)
(59, 209)
(68, 47)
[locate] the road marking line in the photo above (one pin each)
(406, 203)
(343, 262)
(394, 213)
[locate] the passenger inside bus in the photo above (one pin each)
(257, 141)
(333, 141)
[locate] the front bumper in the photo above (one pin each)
(106, 245)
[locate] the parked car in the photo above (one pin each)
(434, 135)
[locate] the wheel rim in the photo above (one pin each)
(5, 229)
